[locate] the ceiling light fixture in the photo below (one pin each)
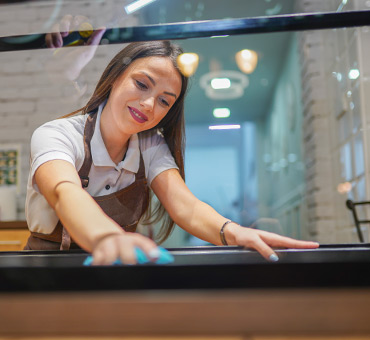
(224, 127)
(220, 83)
(221, 112)
(188, 63)
(246, 60)
(136, 5)
(238, 82)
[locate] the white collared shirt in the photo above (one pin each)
(63, 139)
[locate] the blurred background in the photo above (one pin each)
(277, 124)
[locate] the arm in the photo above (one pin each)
(88, 225)
(202, 221)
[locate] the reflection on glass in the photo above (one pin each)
(356, 108)
(359, 156)
(346, 160)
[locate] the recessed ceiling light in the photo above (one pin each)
(220, 83)
(246, 60)
(221, 112)
(231, 88)
(188, 63)
(224, 127)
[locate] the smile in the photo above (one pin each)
(137, 115)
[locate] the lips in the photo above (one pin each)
(137, 115)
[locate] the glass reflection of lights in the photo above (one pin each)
(188, 63)
(353, 74)
(344, 188)
(237, 82)
(292, 157)
(338, 75)
(136, 5)
(246, 60)
(221, 112)
(220, 83)
(224, 127)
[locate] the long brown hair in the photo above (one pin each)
(171, 126)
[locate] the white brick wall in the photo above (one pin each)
(28, 95)
(324, 52)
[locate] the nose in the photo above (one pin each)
(147, 103)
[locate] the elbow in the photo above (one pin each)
(60, 191)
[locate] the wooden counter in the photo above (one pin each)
(13, 235)
(222, 314)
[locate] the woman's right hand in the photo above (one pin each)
(67, 63)
(122, 246)
(68, 24)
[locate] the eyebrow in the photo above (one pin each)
(153, 82)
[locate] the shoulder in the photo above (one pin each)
(64, 129)
(150, 139)
(68, 126)
(156, 154)
(61, 135)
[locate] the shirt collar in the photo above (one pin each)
(100, 155)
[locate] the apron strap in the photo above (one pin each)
(66, 240)
(88, 133)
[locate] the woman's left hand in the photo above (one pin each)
(262, 241)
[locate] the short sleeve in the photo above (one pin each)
(156, 154)
(51, 142)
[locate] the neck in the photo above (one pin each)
(115, 143)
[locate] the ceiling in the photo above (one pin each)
(219, 53)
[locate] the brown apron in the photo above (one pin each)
(125, 206)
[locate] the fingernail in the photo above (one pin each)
(154, 253)
(273, 258)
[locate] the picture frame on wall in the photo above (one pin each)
(9, 180)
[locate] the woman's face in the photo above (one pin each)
(143, 94)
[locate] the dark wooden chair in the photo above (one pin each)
(351, 205)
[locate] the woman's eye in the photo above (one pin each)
(141, 85)
(164, 102)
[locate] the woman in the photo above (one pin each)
(90, 174)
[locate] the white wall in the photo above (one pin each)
(33, 89)
(336, 141)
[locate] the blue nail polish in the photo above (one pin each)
(273, 258)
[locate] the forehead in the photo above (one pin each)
(152, 62)
(159, 68)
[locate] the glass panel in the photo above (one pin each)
(359, 155)
(298, 152)
(41, 16)
(356, 112)
(361, 190)
(362, 210)
(346, 160)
